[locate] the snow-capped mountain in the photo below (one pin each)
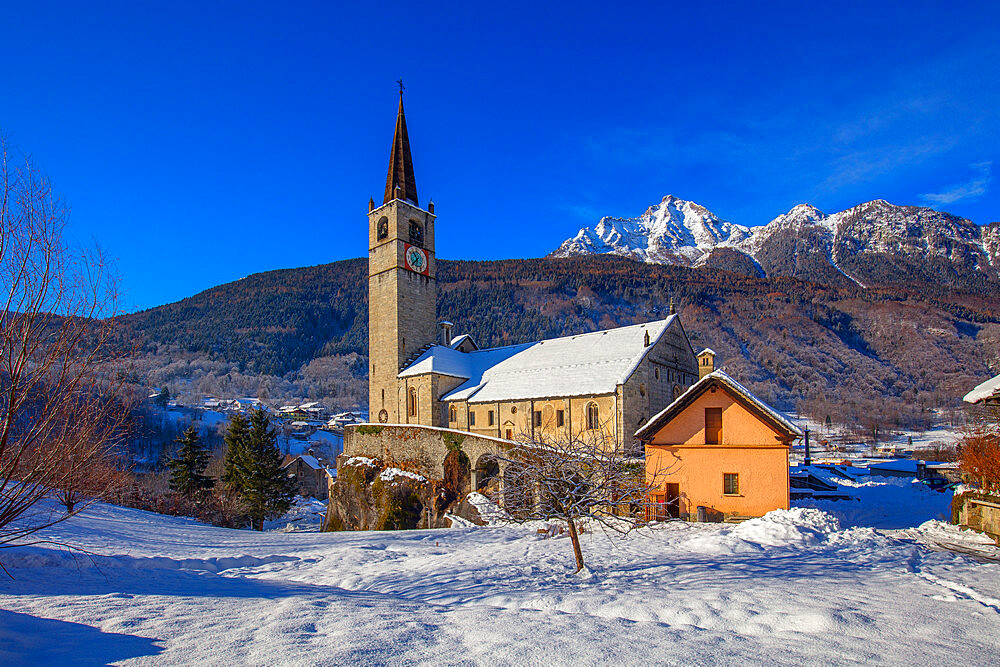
(674, 231)
(874, 242)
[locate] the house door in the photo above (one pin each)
(673, 500)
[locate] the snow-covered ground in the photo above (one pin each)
(802, 586)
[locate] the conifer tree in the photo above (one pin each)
(256, 476)
(236, 437)
(188, 467)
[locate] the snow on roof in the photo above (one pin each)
(585, 364)
(458, 340)
(707, 350)
(899, 465)
(310, 461)
(733, 385)
(988, 389)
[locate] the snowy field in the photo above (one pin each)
(804, 586)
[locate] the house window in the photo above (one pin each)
(656, 372)
(593, 417)
(731, 483)
(537, 418)
(510, 434)
(411, 403)
(560, 417)
(713, 426)
(452, 413)
(489, 418)
(472, 418)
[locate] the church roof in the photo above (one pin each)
(585, 364)
(743, 395)
(400, 164)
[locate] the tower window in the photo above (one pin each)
(383, 228)
(411, 403)
(593, 417)
(416, 233)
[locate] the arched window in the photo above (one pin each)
(383, 228)
(677, 391)
(593, 417)
(411, 403)
(416, 233)
(452, 413)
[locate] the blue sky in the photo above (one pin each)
(202, 142)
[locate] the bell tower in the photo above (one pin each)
(402, 280)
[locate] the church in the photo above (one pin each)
(602, 385)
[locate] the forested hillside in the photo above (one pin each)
(838, 349)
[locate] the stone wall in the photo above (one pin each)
(401, 305)
(420, 447)
(979, 512)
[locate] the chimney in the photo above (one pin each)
(807, 460)
(706, 362)
(446, 332)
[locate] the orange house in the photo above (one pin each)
(719, 447)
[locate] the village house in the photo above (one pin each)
(309, 475)
(717, 453)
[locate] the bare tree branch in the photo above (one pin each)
(62, 393)
(586, 479)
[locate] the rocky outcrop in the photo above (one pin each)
(368, 494)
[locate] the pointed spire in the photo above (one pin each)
(400, 184)
(672, 309)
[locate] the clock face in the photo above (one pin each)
(416, 259)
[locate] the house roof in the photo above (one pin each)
(719, 378)
(585, 364)
(308, 459)
(988, 389)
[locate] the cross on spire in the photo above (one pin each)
(401, 87)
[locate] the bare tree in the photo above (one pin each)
(584, 479)
(62, 405)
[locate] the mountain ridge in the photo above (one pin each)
(872, 243)
(303, 332)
